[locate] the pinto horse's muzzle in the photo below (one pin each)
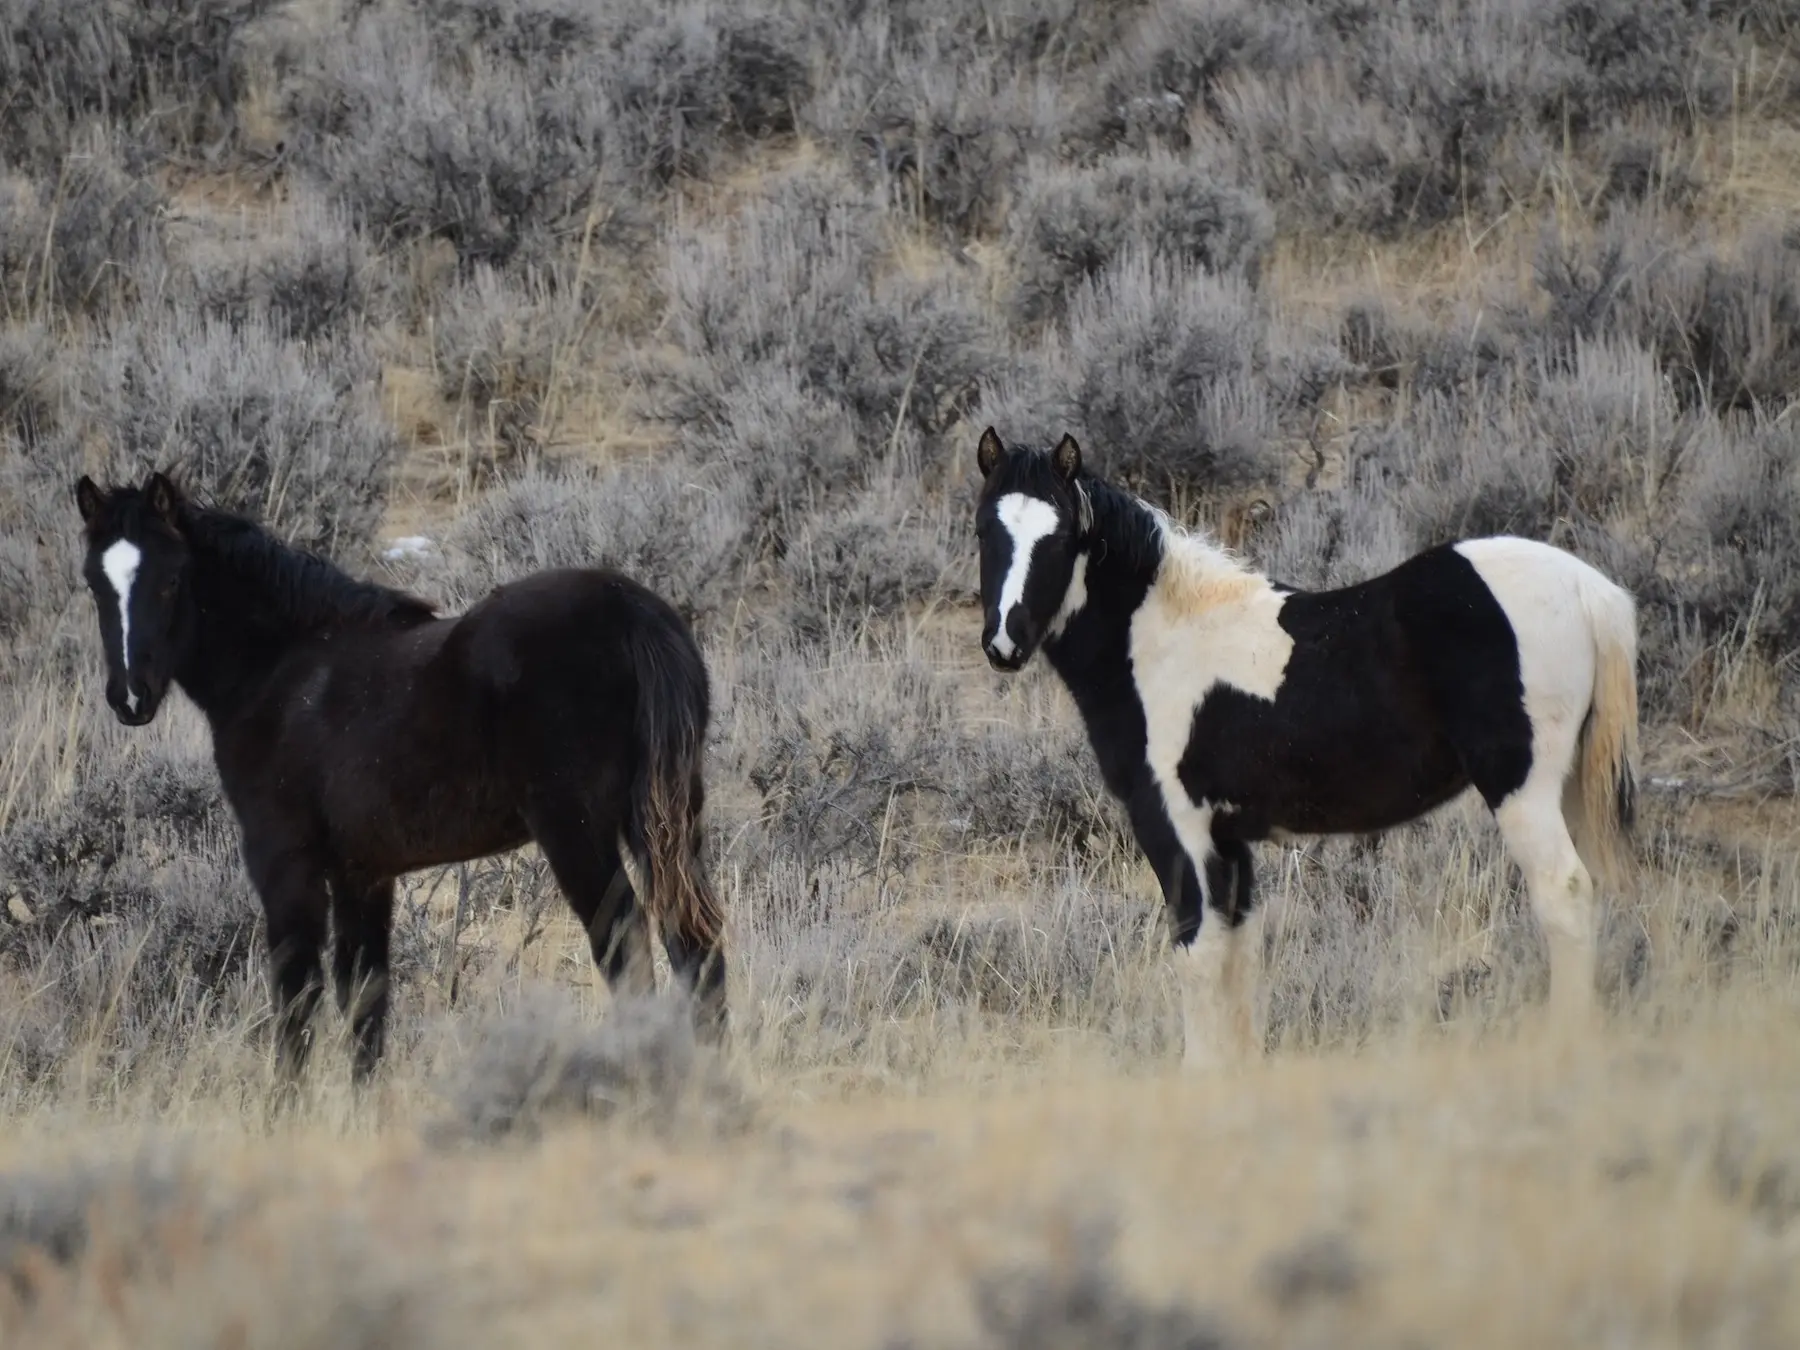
(1003, 650)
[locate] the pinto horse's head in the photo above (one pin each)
(137, 571)
(1031, 523)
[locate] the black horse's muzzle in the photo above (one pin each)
(135, 706)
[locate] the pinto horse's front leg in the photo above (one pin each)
(1222, 976)
(1213, 926)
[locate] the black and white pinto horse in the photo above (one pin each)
(359, 736)
(1225, 708)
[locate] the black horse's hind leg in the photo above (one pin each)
(362, 913)
(293, 890)
(582, 847)
(698, 957)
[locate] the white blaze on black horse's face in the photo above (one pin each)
(135, 568)
(1029, 525)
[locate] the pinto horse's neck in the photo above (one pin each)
(1092, 652)
(1131, 550)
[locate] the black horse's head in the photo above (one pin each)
(1032, 521)
(137, 571)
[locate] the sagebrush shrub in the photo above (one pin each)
(886, 550)
(1158, 367)
(543, 1059)
(841, 762)
(257, 422)
(697, 80)
(168, 75)
(499, 348)
(787, 446)
(84, 239)
(796, 305)
(1071, 225)
(28, 383)
(1172, 60)
(308, 275)
(668, 524)
(941, 131)
(494, 159)
(143, 929)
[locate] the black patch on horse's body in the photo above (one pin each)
(1399, 693)
(359, 736)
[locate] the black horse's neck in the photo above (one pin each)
(252, 598)
(1123, 553)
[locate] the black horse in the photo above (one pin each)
(359, 736)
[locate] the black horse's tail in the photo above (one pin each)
(667, 789)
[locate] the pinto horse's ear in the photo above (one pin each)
(1066, 458)
(87, 498)
(162, 496)
(988, 453)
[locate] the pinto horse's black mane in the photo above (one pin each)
(302, 591)
(1124, 528)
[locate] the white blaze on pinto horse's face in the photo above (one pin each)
(1026, 520)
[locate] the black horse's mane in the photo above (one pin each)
(301, 590)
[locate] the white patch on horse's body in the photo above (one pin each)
(1027, 519)
(1073, 598)
(1205, 622)
(120, 563)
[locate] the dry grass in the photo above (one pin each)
(871, 1159)
(1470, 1187)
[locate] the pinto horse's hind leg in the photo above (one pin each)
(1530, 816)
(362, 913)
(1561, 891)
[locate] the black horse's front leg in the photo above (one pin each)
(363, 914)
(292, 884)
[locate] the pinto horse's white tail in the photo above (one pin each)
(1603, 802)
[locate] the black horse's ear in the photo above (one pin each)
(1066, 458)
(988, 453)
(87, 498)
(162, 496)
